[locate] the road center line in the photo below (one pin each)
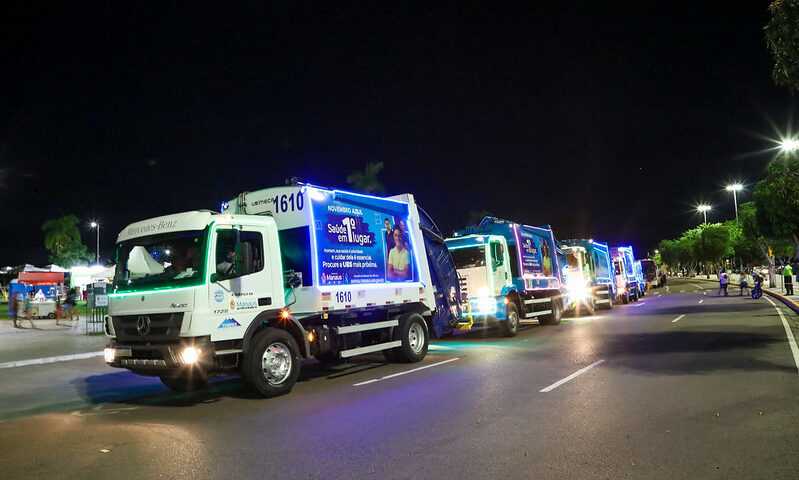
(660, 295)
(682, 291)
(403, 373)
(678, 318)
(698, 286)
(42, 361)
(573, 375)
(789, 334)
(700, 301)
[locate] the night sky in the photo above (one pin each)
(604, 120)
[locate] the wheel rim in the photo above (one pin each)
(513, 321)
(416, 337)
(276, 363)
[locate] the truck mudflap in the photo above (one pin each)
(444, 275)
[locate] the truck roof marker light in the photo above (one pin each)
(316, 194)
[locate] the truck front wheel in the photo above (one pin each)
(412, 332)
(273, 364)
(510, 327)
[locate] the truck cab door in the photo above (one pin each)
(242, 284)
(499, 267)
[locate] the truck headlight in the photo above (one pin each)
(189, 355)
(109, 354)
(578, 290)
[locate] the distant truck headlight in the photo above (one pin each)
(110, 354)
(189, 355)
(578, 290)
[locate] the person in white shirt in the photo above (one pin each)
(399, 258)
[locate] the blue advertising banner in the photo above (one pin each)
(536, 252)
(362, 240)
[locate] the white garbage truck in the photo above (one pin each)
(280, 274)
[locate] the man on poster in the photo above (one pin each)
(398, 268)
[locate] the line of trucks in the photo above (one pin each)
(298, 271)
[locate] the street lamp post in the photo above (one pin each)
(703, 209)
(734, 188)
(97, 226)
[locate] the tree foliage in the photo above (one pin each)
(782, 38)
(62, 238)
(777, 200)
(366, 181)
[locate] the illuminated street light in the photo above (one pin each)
(96, 225)
(703, 209)
(735, 188)
(789, 145)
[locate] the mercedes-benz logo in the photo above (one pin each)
(143, 325)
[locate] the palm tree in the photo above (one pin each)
(366, 181)
(62, 238)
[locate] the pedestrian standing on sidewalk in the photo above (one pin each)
(14, 304)
(71, 304)
(723, 280)
(787, 276)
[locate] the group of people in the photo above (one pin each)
(398, 258)
(21, 308)
(724, 282)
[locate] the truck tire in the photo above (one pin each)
(610, 300)
(187, 380)
(273, 363)
(557, 312)
(510, 327)
(625, 299)
(412, 331)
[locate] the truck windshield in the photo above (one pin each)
(574, 259)
(157, 261)
(469, 257)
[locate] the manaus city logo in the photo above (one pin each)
(219, 296)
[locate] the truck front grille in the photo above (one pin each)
(154, 327)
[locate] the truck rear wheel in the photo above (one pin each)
(510, 327)
(557, 312)
(412, 331)
(610, 300)
(273, 364)
(625, 298)
(185, 380)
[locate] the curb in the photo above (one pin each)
(787, 301)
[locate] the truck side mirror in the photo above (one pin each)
(213, 278)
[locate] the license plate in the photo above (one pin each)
(124, 352)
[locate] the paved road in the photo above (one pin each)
(676, 389)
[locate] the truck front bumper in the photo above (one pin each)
(162, 357)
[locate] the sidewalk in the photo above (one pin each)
(47, 340)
